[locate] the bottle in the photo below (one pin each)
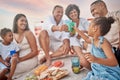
(70, 25)
(12, 52)
(75, 65)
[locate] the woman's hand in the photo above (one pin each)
(71, 34)
(76, 29)
(78, 36)
(90, 58)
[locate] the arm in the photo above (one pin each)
(66, 41)
(1, 60)
(110, 59)
(86, 38)
(60, 28)
(17, 49)
(32, 42)
(50, 26)
(4, 62)
(55, 28)
(66, 45)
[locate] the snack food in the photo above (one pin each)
(58, 64)
(53, 74)
(40, 69)
(32, 77)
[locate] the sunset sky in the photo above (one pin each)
(37, 10)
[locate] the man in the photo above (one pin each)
(53, 37)
(99, 9)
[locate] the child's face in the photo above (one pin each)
(8, 38)
(22, 23)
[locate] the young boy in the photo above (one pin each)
(8, 54)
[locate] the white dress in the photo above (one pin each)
(27, 65)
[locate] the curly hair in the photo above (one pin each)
(70, 8)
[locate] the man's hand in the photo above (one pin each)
(64, 28)
(66, 46)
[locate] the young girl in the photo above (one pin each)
(8, 53)
(103, 62)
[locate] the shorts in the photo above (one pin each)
(2, 66)
(55, 40)
(55, 45)
(76, 42)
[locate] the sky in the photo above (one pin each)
(37, 10)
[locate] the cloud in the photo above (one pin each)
(36, 10)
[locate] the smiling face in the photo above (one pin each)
(22, 23)
(96, 10)
(8, 38)
(73, 14)
(58, 13)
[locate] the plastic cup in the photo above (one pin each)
(12, 52)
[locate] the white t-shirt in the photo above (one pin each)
(5, 49)
(56, 37)
(49, 23)
(113, 35)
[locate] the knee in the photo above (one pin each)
(3, 72)
(43, 34)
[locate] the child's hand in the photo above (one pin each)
(90, 58)
(17, 56)
(7, 64)
(8, 59)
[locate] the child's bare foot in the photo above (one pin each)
(42, 60)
